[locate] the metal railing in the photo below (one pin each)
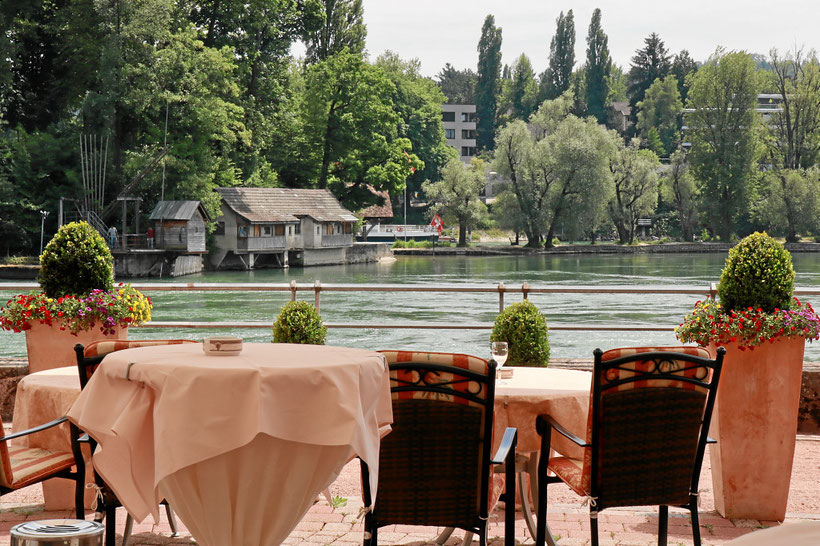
(502, 290)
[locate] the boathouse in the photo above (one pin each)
(279, 227)
(375, 215)
(179, 225)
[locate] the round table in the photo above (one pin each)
(239, 445)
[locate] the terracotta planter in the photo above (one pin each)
(755, 423)
(49, 347)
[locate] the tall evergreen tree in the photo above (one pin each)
(558, 76)
(488, 85)
(523, 89)
(649, 63)
(599, 64)
(682, 66)
(343, 28)
(458, 86)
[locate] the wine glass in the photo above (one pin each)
(499, 351)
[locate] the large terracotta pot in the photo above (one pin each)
(755, 424)
(49, 347)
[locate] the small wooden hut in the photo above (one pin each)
(179, 225)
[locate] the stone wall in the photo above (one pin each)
(367, 252)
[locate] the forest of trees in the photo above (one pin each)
(194, 96)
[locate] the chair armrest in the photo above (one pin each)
(507, 446)
(544, 421)
(710, 440)
(40, 428)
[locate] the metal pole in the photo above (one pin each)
(405, 212)
(43, 214)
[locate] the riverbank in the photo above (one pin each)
(479, 249)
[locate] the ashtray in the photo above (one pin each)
(222, 345)
(505, 373)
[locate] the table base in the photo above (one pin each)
(228, 500)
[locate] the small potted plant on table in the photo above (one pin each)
(78, 302)
(764, 329)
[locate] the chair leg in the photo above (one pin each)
(593, 526)
(129, 527)
(445, 534)
(663, 524)
(110, 526)
(541, 502)
(172, 520)
(79, 498)
(693, 510)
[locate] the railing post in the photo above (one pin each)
(317, 287)
(292, 290)
(712, 290)
(524, 289)
(500, 297)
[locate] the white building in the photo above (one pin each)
(460, 128)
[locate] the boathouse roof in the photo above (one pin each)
(379, 211)
(285, 204)
(178, 210)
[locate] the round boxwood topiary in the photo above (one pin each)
(758, 274)
(524, 328)
(299, 322)
(75, 262)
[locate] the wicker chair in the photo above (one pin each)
(23, 466)
(88, 360)
(649, 416)
(434, 467)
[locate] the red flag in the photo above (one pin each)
(437, 223)
(412, 169)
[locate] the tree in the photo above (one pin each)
(723, 129)
(682, 66)
(794, 132)
(488, 85)
(455, 196)
(598, 67)
(343, 27)
(635, 184)
(660, 111)
(679, 189)
(523, 90)
(417, 101)
(788, 202)
(458, 86)
(616, 85)
(649, 63)
(557, 78)
(352, 130)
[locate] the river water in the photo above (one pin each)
(684, 270)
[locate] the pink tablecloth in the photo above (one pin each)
(239, 444)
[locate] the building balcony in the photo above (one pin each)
(261, 243)
(343, 239)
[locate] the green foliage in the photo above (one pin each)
(660, 110)
(455, 196)
(524, 328)
(649, 64)
(343, 28)
(488, 84)
(458, 86)
(558, 77)
(682, 66)
(635, 180)
(412, 243)
(758, 274)
(299, 322)
(523, 90)
(788, 202)
(598, 67)
(76, 261)
(678, 189)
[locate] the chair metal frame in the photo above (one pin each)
(107, 501)
(467, 388)
(659, 371)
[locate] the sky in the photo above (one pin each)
(441, 31)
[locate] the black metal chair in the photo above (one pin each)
(648, 427)
(22, 466)
(434, 466)
(88, 360)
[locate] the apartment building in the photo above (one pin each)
(460, 128)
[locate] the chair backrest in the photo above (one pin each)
(6, 477)
(90, 356)
(649, 417)
(434, 467)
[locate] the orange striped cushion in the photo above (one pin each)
(96, 348)
(571, 471)
(465, 362)
(30, 465)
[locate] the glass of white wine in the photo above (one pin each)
(499, 351)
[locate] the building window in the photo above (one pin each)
(318, 230)
(468, 133)
(450, 133)
(297, 229)
(448, 116)
(290, 230)
(467, 151)
(266, 231)
(468, 117)
(220, 228)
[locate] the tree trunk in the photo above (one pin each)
(462, 234)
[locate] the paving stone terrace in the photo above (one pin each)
(325, 524)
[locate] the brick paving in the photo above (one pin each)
(341, 525)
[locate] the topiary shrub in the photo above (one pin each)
(299, 322)
(758, 274)
(75, 262)
(524, 328)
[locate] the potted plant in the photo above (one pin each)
(299, 322)
(78, 302)
(763, 328)
(524, 328)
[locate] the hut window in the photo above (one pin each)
(297, 229)
(266, 231)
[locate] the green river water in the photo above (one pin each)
(684, 270)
